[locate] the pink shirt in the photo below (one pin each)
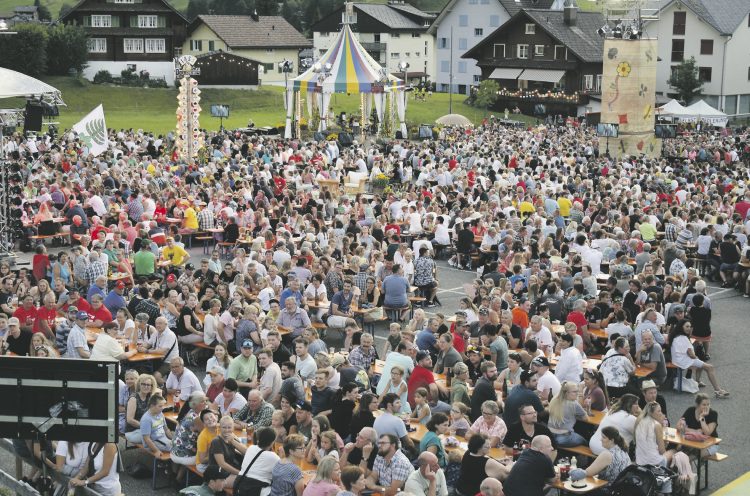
(322, 488)
(497, 429)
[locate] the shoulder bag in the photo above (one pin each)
(248, 486)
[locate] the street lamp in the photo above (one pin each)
(403, 66)
(286, 66)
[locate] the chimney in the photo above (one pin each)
(570, 12)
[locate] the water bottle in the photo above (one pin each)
(573, 463)
(243, 436)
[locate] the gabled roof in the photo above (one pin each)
(134, 7)
(412, 10)
(388, 15)
(511, 7)
(239, 31)
(580, 39)
(723, 15)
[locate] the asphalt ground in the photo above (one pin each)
(729, 353)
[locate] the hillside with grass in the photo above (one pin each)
(153, 109)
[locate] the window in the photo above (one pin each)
(158, 45)
(473, 2)
(196, 45)
(477, 78)
(588, 81)
(462, 67)
(324, 34)
(463, 20)
(531, 29)
(101, 21)
(748, 73)
(269, 51)
(133, 45)
(211, 45)
(485, 2)
(678, 23)
(178, 51)
(478, 32)
(704, 74)
(376, 37)
(730, 104)
(407, 54)
(538, 50)
(462, 44)
(97, 45)
(707, 47)
(395, 35)
(598, 87)
(498, 50)
(395, 55)
(559, 52)
(124, 1)
(268, 68)
(148, 21)
(415, 35)
(678, 50)
(522, 52)
(445, 66)
(494, 21)
(443, 43)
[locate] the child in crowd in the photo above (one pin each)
(422, 410)
(394, 338)
(459, 423)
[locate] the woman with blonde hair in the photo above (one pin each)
(327, 478)
(137, 405)
(564, 411)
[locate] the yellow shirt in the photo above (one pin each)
(526, 209)
(648, 232)
(565, 206)
(204, 441)
(176, 254)
(151, 168)
(191, 218)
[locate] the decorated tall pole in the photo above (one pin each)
(189, 139)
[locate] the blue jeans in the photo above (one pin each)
(570, 439)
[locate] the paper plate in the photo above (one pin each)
(568, 484)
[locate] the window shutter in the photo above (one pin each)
(87, 21)
(161, 22)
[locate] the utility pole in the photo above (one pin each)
(450, 78)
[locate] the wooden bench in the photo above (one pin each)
(718, 457)
(225, 249)
(394, 313)
(164, 456)
(414, 301)
(370, 326)
(206, 242)
(39, 238)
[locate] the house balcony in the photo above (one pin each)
(543, 96)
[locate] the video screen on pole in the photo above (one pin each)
(607, 130)
(220, 111)
(665, 131)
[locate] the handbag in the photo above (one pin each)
(248, 486)
(695, 436)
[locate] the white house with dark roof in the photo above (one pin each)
(466, 23)
(717, 34)
(390, 33)
(265, 39)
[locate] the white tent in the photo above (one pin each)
(16, 84)
(701, 111)
(672, 109)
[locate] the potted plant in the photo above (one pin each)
(379, 183)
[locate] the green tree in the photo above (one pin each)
(44, 13)
(66, 49)
(196, 8)
(26, 51)
(486, 94)
(685, 80)
(64, 9)
(267, 7)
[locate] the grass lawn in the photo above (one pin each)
(590, 5)
(154, 109)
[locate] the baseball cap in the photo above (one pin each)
(338, 359)
(189, 266)
(14, 321)
(540, 361)
(650, 301)
(648, 385)
(471, 349)
(171, 278)
(589, 297)
(421, 355)
(364, 266)
(247, 344)
(305, 406)
(82, 315)
(72, 309)
(460, 313)
(679, 307)
(617, 299)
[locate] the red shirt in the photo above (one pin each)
(43, 313)
(81, 304)
(27, 317)
(579, 320)
(420, 377)
(458, 342)
(102, 314)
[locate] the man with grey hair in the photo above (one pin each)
(429, 479)
(181, 380)
(540, 333)
(491, 487)
(162, 342)
(362, 452)
(95, 268)
(650, 355)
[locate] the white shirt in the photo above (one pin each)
(238, 401)
(549, 381)
(417, 485)
(106, 348)
(442, 235)
(570, 365)
(262, 468)
(543, 337)
(187, 383)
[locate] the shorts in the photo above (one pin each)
(697, 363)
(427, 287)
(728, 266)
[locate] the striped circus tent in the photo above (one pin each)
(346, 67)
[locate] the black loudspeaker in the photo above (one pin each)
(345, 139)
(399, 135)
(32, 117)
(318, 136)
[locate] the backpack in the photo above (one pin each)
(635, 480)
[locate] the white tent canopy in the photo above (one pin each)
(15, 84)
(700, 111)
(672, 108)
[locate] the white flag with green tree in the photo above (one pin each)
(93, 131)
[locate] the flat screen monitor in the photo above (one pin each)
(608, 130)
(220, 111)
(665, 131)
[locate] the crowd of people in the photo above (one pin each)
(577, 256)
